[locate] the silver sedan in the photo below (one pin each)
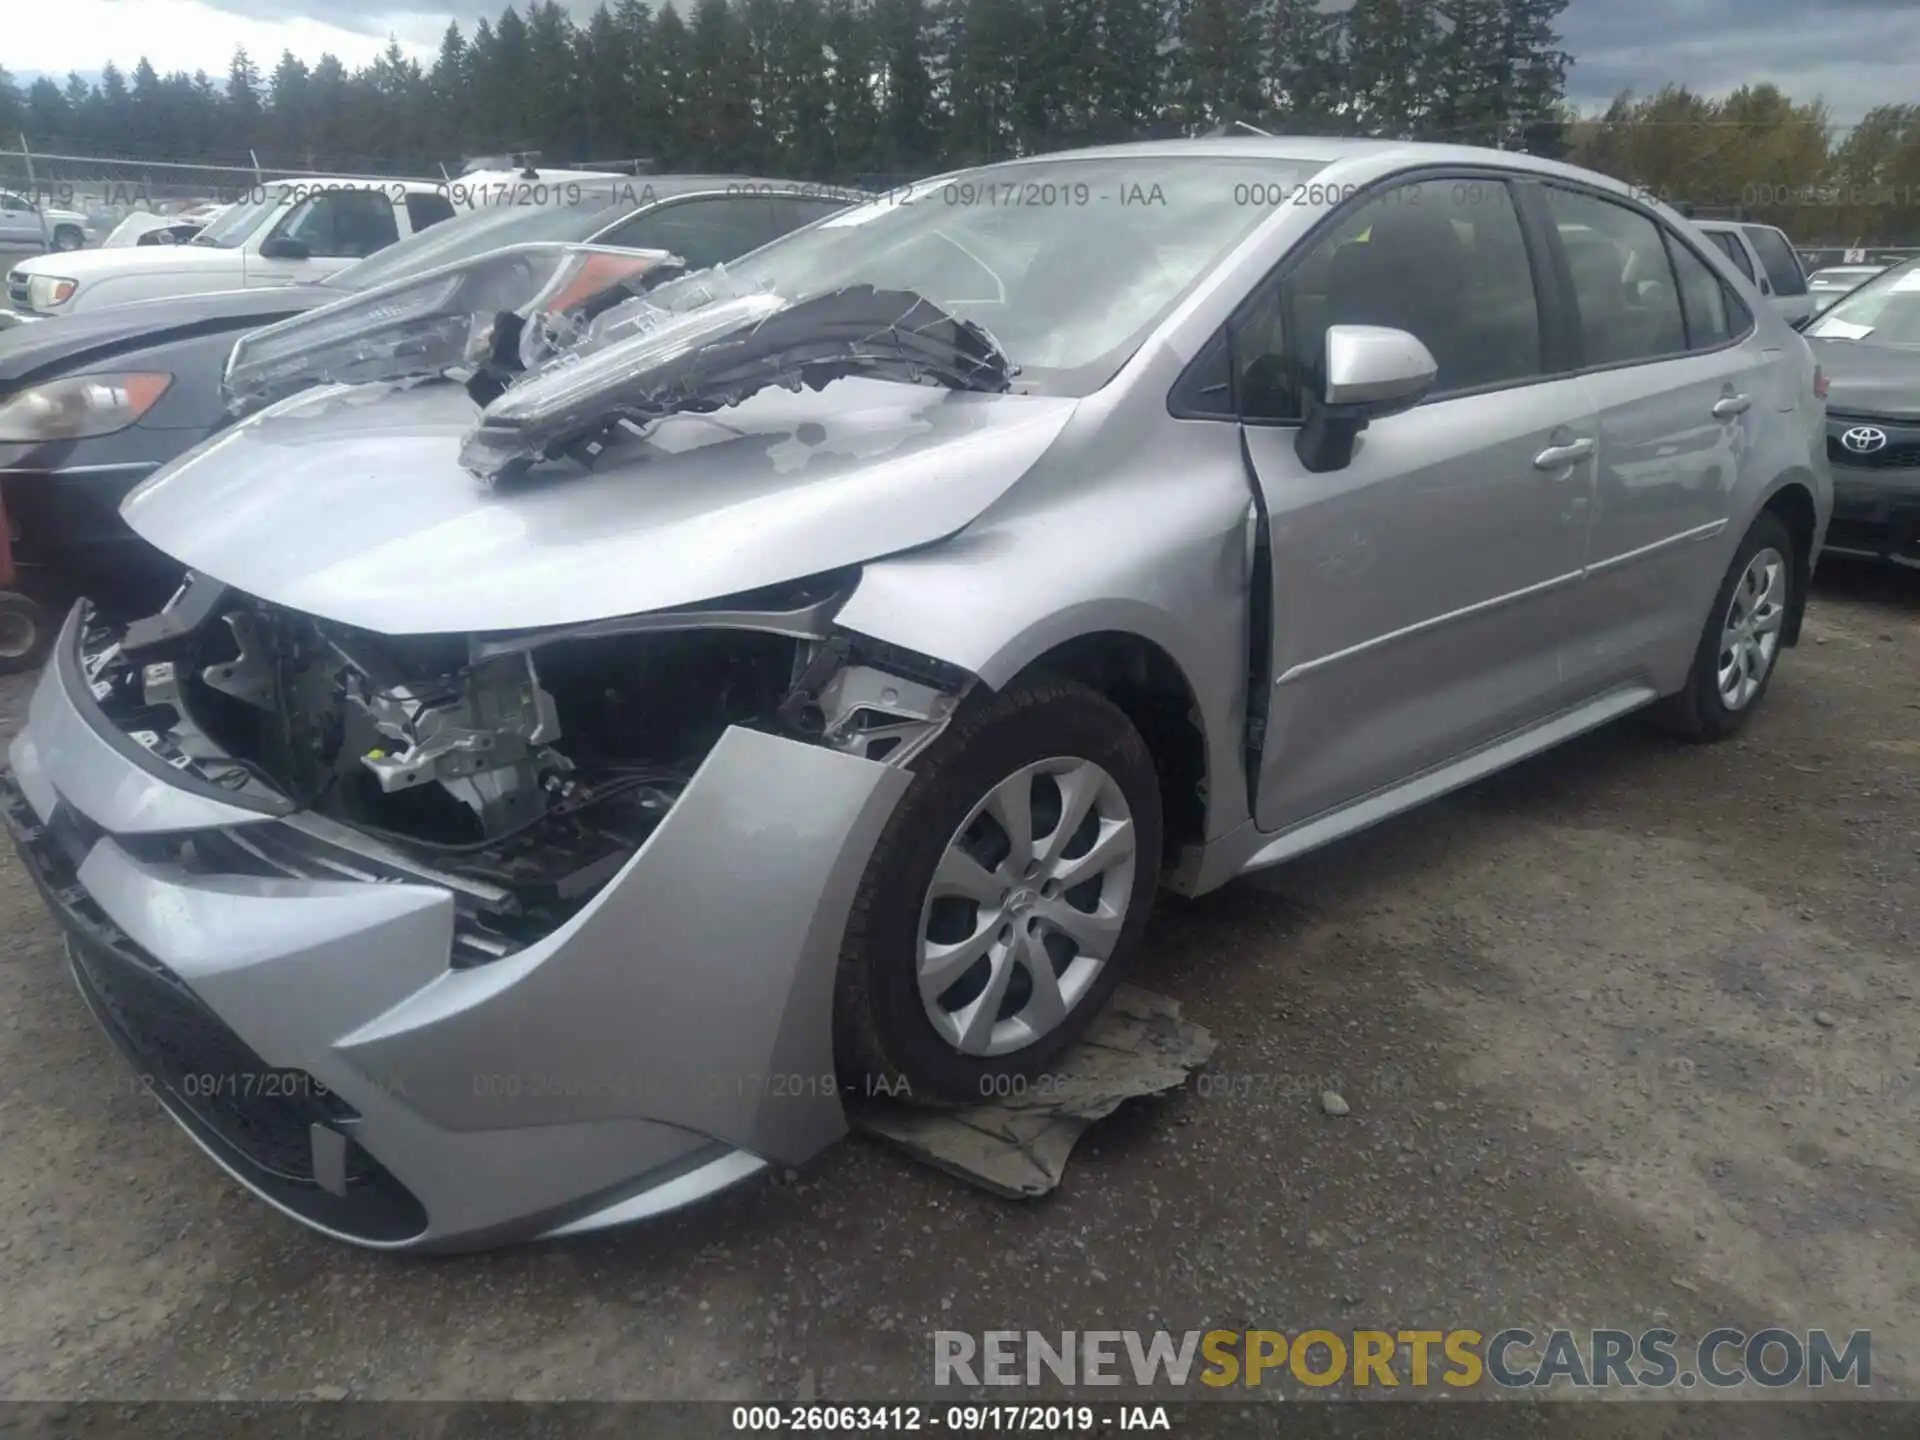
(609, 730)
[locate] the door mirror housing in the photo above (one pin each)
(1803, 321)
(1371, 371)
(284, 247)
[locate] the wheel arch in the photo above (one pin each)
(1792, 503)
(1141, 678)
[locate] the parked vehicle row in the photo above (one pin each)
(1869, 344)
(24, 223)
(617, 709)
(91, 406)
(1765, 256)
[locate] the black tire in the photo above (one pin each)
(26, 634)
(1697, 712)
(883, 1038)
(69, 237)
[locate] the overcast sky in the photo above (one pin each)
(1857, 53)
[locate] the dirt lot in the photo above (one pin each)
(1630, 1035)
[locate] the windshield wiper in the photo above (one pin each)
(719, 354)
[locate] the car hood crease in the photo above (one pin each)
(350, 503)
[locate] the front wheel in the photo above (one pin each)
(1005, 898)
(1735, 659)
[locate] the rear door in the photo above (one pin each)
(1423, 594)
(1784, 275)
(1668, 362)
(424, 208)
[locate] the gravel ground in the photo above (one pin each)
(1629, 1035)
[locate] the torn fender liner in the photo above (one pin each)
(722, 353)
(1018, 1146)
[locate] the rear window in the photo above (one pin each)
(1735, 251)
(425, 209)
(1783, 266)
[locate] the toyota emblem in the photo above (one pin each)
(1864, 439)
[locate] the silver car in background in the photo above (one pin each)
(562, 789)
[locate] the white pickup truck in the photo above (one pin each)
(283, 232)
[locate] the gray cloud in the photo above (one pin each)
(1855, 54)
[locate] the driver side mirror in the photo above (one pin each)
(284, 247)
(1803, 321)
(1371, 372)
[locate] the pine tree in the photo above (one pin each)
(242, 100)
(907, 121)
(679, 138)
(1219, 64)
(1389, 62)
(854, 108)
(1300, 67)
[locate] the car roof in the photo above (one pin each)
(1327, 150)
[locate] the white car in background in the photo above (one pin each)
(283, 232)
(22, 222)
(1765, 256)
(1830, 284)
(146, 227)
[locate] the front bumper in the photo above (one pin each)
(311, 1036)
(1876, 499)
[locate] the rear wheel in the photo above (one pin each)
(1005, 898)
(68, 237)
(1735, 660)
(26, 632)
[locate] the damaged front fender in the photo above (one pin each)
(697, 988)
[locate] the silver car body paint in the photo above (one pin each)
(452, 1071)
(270, 506)
(1477, 584)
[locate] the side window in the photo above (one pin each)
(1442, 259)
(14, 203)
(349, 224)
(790, 213)
(1713, 315)
(1622, 281)
(701, 232)
(1736, 252)
(1783, 266)
(424, 210)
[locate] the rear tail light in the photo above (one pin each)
(1819, 383)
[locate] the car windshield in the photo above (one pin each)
(1884, 311)
(237, 224)
(466, 236)
(1068, 264)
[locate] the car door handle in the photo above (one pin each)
(1559, 457)
(1729, 406)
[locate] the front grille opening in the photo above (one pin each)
(256, 1118)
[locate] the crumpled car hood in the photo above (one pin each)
(350, 503)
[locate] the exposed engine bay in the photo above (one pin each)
(521, 770)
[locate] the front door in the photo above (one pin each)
(1424, 595)
(335, 228)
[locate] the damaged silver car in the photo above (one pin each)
(618, 716)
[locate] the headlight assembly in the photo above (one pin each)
(80, 406)
(46, 291)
